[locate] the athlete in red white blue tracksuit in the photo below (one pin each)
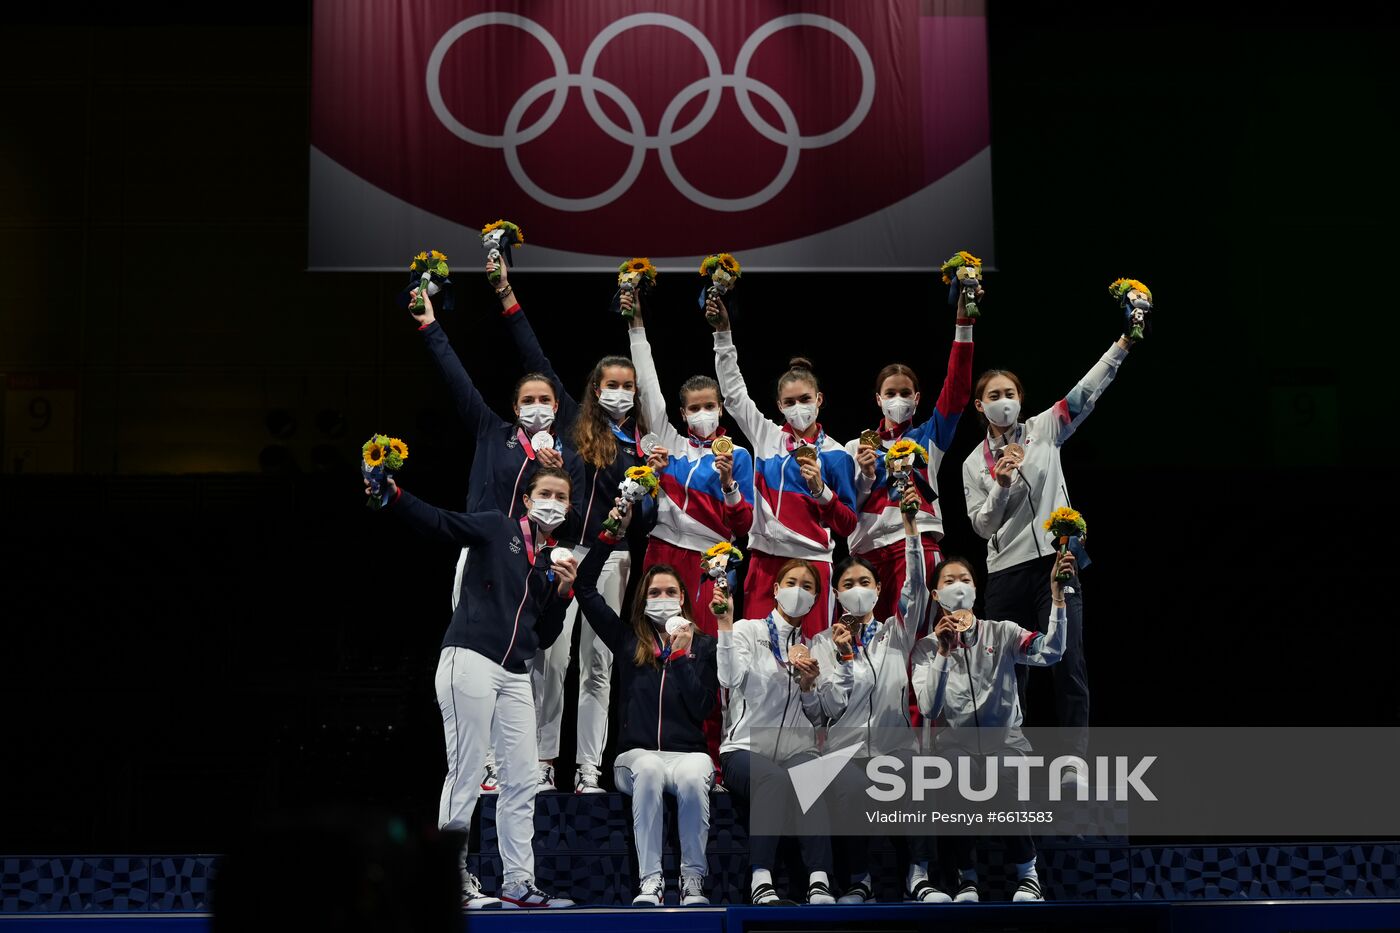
(789, 519)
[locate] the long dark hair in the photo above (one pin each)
(641, 625)
(593, 436)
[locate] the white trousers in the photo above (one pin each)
(485, 706)
(645, 775)
(595, 661)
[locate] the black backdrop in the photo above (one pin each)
(184, 647)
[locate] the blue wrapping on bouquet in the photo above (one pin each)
(377, 479)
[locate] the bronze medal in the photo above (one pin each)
(1016, 451)
(963, 619)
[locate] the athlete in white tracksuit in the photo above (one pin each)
(866, 662)
(775, 706)
(968, 681)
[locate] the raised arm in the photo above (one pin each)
(649, 385)
(913, 599)
(734, 658)
(956, 391)
(1039, 650)
(1069, 412)
(606, 623)
(440, 525)
(531, 353)
(762, 433)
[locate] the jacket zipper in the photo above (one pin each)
(659, 694)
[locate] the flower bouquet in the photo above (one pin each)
(1136, 301)
(900, 462)
(1065, 523)
(428, 273)
(963, 273)
(722, 269)
(497, 238)
(381, 457)
(715, 565)
(640, 482)
(635, 277)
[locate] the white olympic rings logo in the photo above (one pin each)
(668, 134)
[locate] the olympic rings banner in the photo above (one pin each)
(799, 135)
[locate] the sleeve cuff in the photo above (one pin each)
(940, 661)
(1115, 355)
(684, 653)
(1059, 613)
(1002, 494)
(424, 327)
(568, 596)
(733, 496)
(608, 539)
(724, 338)
(512, 310)
(725, 639)
(962, 333)
(827, 494)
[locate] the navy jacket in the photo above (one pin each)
(664, 708)
(503, 464)
(600, 485)
(508, 609)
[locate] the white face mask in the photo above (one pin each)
(702, 423)
(1003, 412)
(795, 601)
(801, 415)
(661, 609)
(897, 409)
(858, 600)
(548, 513)
(616, 402)
(957, 596)
(536, 417)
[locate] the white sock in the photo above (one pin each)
(817, 876)
(1027, 870)
(918, 871)
(761, 876)
(967, 875)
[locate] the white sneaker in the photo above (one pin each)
(525, 894)
(650, 892)
(586, 782)
(858, 893)
(490, 781)
(546, 778)
(819, 894)
(473, 898)
(1028, 890)
(967, 893)
(925, 891)
(763, 894)
(693, 891)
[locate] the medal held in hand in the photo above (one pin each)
(381, 457)
(870, 439)
(805, 452)
(542, 440)
(497, 238)
(635, 277)
(722, 270)
(557, 556)
(639, 483)
(1065, 523)
(1136, 301)
(963, 276)
(848, 651)
(428, 273)
(797, 652)
(963, 619)
(650, 443)
(900, 462)
(715, 565)
(721, 445)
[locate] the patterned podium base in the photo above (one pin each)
(584, 849)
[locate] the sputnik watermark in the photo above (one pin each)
(1115, 778)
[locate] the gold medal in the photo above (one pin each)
(870, 439)
(722, 445)
(805, 453)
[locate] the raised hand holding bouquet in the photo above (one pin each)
(715, 565)
(900, 462)
(427, 272)
(723, 271)
(1065, 523)
(640, 482)
(497, 238)
(963, 275)
(1136, 301)
(381, 457)
(635, 277)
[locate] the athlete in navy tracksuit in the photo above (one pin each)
(607, 428)
(511, 606)
(505, 456)
(669, 686)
